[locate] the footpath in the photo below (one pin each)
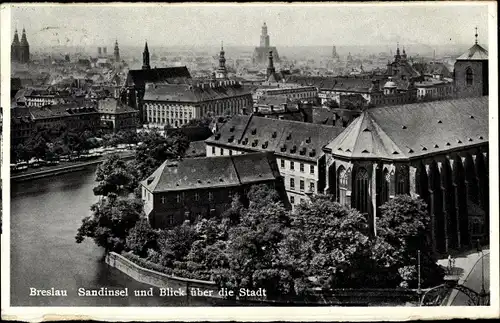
(63, 168)
(463, 266)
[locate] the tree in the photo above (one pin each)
(251, 248)
(142, 237)
(115, 176)
(175, 243)
(111, 220)
(327, 242)
(403, 225)
(155, 149)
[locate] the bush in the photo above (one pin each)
(147, 264)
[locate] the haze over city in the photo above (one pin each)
(238, 25)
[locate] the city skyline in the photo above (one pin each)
(187, 25)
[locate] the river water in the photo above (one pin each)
(45, 215)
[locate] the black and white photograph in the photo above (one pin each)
(231, 159)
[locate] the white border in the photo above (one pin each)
(255, 313)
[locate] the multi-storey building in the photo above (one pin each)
(116, 116)
(297, 146)
(176, 104)
(26, 120)
(434, 89)
(192, 188)
(39, 98)
(305, 93)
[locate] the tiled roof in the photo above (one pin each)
(332, 83)
(112, 106)
(196, 149)
(284, 137)
(476, 52)
(189, 93)
(413, 130)
(60, 110)
(173, 75)
(212, 172)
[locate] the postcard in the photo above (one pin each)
(249, 161)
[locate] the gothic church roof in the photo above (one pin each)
(414, 130)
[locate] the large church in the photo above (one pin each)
(260, 54)
(20, 50)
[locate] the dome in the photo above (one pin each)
(390, 84)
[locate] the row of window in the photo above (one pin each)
(292, 200)
(301, 166)
(312, 185)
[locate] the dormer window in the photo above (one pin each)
(254, 131)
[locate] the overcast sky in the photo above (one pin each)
(288, 25)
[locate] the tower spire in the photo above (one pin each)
(145, 57)
(221, 71)
(476, 35)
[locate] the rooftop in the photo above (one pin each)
(283, 137)
(172, 75)
(190, 93)
(212, 172)
(475, 53)
(413, 130)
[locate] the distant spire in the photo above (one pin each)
(221, 45)
(145, 57)
(476, 35)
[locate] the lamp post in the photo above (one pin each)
(419, 290)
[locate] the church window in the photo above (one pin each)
(402, 180)
(361, 190)
(342, 185)
(468, 76)
(384, 189)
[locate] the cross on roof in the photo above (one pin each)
(476, 35)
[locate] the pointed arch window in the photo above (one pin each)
(361, 190)
(469, 77)
(402, 180)
(342, 185)
(384, 189)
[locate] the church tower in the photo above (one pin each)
(14, 48)
(117, 52)
(397, 57)
(471, 72)
(221, 73)
(24, 49)
(264, 37)
(145, 58)
(270, 66)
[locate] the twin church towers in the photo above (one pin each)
(20, 50)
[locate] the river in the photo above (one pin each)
(45, 215)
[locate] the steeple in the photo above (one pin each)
(117, 51)
(14, 48)
(403, 57)
(145, 58)
(221, 71)
(270, 66)
(24, 40)
(264, 37)
(476, 35)
(15, 42)
(397, 57)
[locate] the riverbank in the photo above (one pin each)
(210, 290)
(63, 168)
